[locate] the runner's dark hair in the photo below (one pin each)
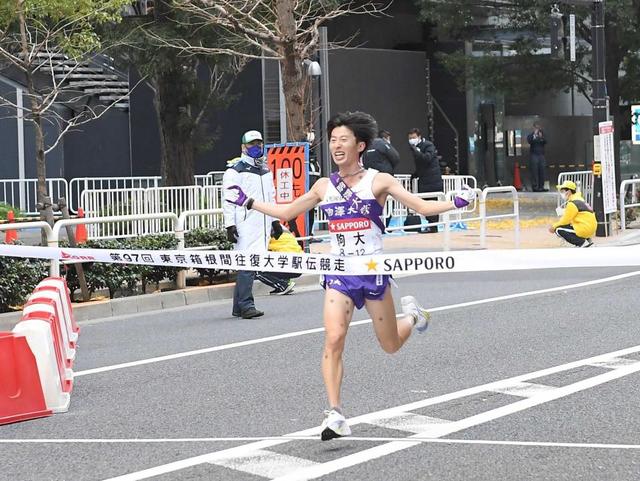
(363, 125)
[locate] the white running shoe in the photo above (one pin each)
(420, 315)
(334, 426)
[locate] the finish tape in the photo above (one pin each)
(409, 263)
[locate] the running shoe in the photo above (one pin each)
(285, 291)
(587, 243)
(334, 426)
(420, 315)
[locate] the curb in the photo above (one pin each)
(153, 302)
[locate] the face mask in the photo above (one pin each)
(415, 141)
(255, 151)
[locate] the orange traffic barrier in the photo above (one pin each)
(21, 395)
(11, 235)
(517, 182)
(81, 229)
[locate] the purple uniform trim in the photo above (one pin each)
(358, 288)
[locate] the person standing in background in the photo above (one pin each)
(538, 163)
(381, 155)
(427, 160)
(247, 229)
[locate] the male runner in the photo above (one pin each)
(354, 194)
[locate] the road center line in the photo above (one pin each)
(278, 337)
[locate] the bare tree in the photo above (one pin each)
(286, 30)
(43, 45)
(186, 88)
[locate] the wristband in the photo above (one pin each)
(249, 203)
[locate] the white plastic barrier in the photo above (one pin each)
(635, 199)
(40, 340)
(33, 309)
(59, 285)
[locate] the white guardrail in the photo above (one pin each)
(179, 223)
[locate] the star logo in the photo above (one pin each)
(372, 265)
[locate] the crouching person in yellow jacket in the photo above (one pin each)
(281, 282)
(578, 223)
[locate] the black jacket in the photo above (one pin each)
(536, 143)
(382, 156)
(427, 163)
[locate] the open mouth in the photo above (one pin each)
(339, 155)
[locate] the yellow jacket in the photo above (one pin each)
(286, 243)
(579, 215)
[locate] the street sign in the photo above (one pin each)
(635, 124)
(289, 164)
(608, 167)
(572, 37)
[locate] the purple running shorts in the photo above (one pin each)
(358, 288)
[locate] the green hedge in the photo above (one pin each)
(20, 276)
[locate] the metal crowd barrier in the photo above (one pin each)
(635, 199)
(584, 182)
(23, 193)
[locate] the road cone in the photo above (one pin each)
(517, 182)
(81, 229)
(11, 235)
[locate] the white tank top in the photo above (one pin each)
(355, 226)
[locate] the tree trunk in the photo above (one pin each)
(293, 79)
(176, 128)
(43, 201)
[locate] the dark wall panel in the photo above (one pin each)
(8, 137)
(99, 148)
(388, 84)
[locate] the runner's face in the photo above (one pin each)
(344, 147)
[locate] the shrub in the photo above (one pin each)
(19, 277)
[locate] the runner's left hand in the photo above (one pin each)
(465, 197)
(235, 195)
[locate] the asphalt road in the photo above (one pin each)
(502, 387)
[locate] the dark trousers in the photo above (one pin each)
(243, 291)
(538, 167)
(568, 234)
(425, 185)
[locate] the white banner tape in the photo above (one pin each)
(417, 262)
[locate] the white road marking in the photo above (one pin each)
(614, 363)
(404, 443)
(410, 422)
(524, 389)
(278, 337)
(265, 463)
(445, 429)
(349, 439)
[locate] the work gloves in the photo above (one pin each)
(232, 234)
(276, 229)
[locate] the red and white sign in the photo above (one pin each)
(349, 225)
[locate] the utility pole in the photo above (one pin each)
(599, 98)
(599, 101)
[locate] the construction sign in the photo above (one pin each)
(289, 164)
